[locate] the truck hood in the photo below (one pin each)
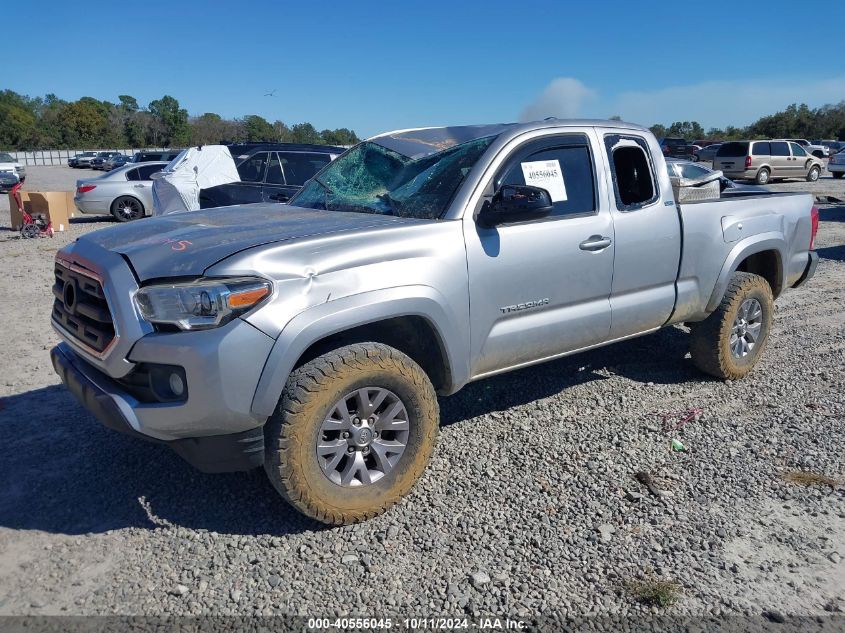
(186, 244)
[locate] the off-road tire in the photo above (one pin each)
(762, 177)
(290, 434)
(709, 344)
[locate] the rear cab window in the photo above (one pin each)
(634, 182)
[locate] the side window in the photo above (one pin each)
(797, 150)
(563, 165)
(300, 166)
(274, 171)
(633, 179)
(252, 168)
(761, 149)
(779, 148)
(146, 171)
(132, 174)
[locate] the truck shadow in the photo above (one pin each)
(836, 253)
(657, 358)
(64, 473)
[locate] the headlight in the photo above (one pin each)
(202, 304)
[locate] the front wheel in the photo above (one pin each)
(353, 432)
(126, 208)
(729, 342)
(813, 174)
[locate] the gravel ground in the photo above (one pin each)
(529, 506)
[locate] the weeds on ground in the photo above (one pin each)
(809, 478)
(661, 593)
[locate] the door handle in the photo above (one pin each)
(280, 197)
(139, 186)
(595, 243)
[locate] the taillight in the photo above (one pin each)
(748, 162)
(85, 188)
(814, 225)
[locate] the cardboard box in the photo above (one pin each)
(15, 212)
(51, 204)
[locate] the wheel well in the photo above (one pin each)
(411, 335)
(766, 264)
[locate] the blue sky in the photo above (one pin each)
(374, 66)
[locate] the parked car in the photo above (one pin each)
(270, 172)
(73, 161)
(708, 153)
(704, 142)
(762, 161)
(680, 168)
(834, 147)
(8, 179)
(836, 164)
(98, 162)
(692, 152)
(9, 165)
(144, 157)
(675, 147)
(118, 160)
(84, 159)
(312, 341)
(125, 192)
(819, 151)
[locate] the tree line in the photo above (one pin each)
(796, 121)
(33, 123)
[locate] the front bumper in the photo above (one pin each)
(809, 270)
(117, 409)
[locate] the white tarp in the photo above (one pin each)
(177, 187)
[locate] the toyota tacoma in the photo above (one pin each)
(311, 339)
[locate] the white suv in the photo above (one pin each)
(10, 165)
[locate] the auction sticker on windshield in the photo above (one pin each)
(547, 175)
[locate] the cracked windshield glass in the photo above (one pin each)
(371, 178)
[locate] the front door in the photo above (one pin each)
(541, 288)
(781, 159)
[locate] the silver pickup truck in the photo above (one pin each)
(311, 338)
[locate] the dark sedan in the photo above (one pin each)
(270, 172)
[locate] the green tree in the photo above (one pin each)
(258, 128)
(173, 119)
(305, 133)
(658, 130)
(128, 103)
(340, 136)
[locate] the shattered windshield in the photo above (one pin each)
(370, 178)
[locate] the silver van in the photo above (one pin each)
(762, 161)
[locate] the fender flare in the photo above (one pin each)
(346, 313)
(771, 241)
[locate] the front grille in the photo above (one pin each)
(82, 310)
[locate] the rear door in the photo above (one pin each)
(648, 237)
(800, 157)
(781, 159)
(248, 191)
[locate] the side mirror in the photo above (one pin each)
(515, 203)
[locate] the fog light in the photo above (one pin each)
(177, 385)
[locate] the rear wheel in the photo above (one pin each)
(126, 208)
(354, 430)
(729, 342)
(813, 174)
(762, 176)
